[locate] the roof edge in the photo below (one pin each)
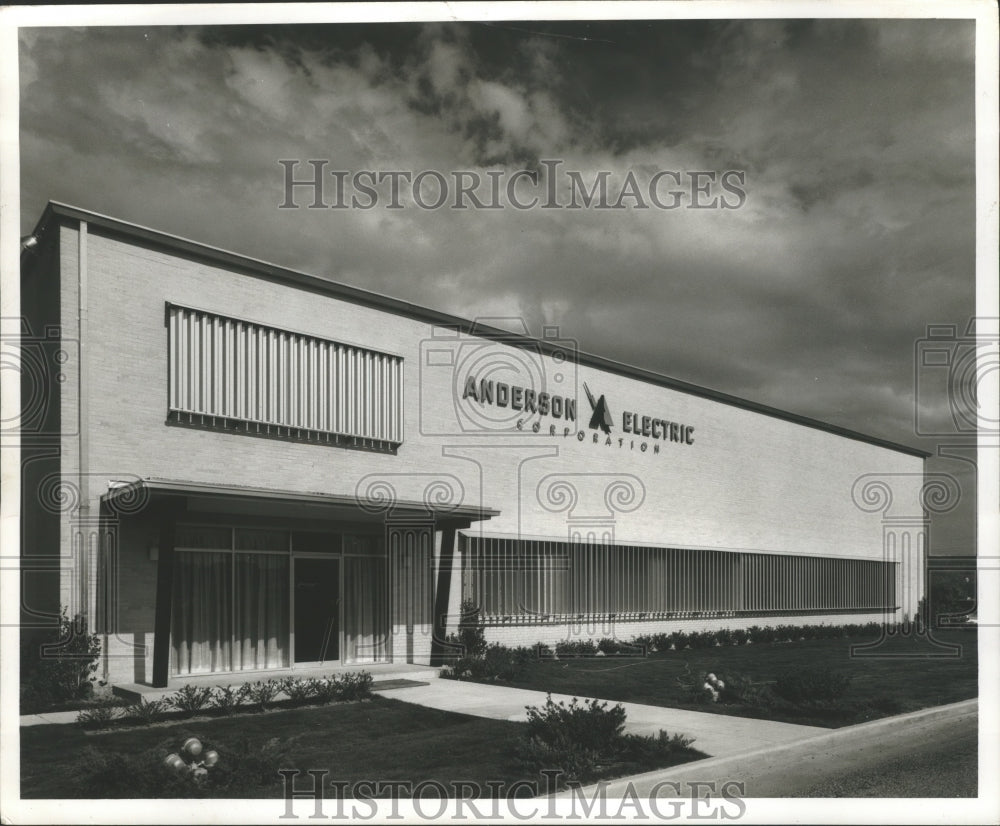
(128, 492)
(397, 306)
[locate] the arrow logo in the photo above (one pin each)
(601, 417)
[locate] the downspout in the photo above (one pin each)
(82, 401)
(83, 446)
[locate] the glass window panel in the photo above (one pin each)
(258, 539)
(261, 612)
(204, 537)
(367, 544)
(201, 613)
(316, 542)
(366, 612)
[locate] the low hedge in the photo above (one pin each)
(226, 700)
(753, 635)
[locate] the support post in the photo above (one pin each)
(164, 595)
(442, 593)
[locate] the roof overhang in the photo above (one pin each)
(133, 496)
(263, 269)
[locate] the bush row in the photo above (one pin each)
(495, 661)
(226, 700)
(755, 634)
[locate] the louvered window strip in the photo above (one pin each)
(538, 581)
(230, 373)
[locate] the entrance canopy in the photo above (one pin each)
(230, 596)
(130, 497)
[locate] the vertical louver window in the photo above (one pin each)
(529, 580)
(234, 374)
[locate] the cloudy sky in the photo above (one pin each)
(856, 139)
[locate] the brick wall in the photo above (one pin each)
(749, 481)
(625, 631)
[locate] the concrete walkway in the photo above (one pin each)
(714, 734)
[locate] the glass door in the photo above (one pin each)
(317, 609)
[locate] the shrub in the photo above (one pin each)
(299, 690)
(540, 651)
(354, 686)
(99, 715)
(663, 746)
(471, 630)
(190, 699)
(61, 668)
(741, 690)
(701, 639)
(580, 738)
(755, 634)
(502, 663)
(676, 640)
(497, 663)
(571, 737)
(732, 636)
(811, 685)
(612, 646)
(228, 699)
(145, 711)
(591, 725)
(244, 770)
(577, 764)
(575, 648)
(262, 693)
(113, 774)
(324, 689)
(245, 767)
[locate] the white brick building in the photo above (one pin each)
(233, 467)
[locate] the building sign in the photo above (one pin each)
(650, 430)
(519, 398)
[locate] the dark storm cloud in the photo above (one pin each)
(857, 138)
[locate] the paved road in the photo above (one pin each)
(796, 768)
(714, 734)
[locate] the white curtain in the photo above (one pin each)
(366, 594)
(261, 630)
(201, 613)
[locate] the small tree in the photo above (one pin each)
(471, 630)
(62, 668)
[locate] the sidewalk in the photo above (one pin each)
(714, 734)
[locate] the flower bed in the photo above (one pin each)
(227, 700)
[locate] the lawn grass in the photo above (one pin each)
(892, 682)
(381, 739)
